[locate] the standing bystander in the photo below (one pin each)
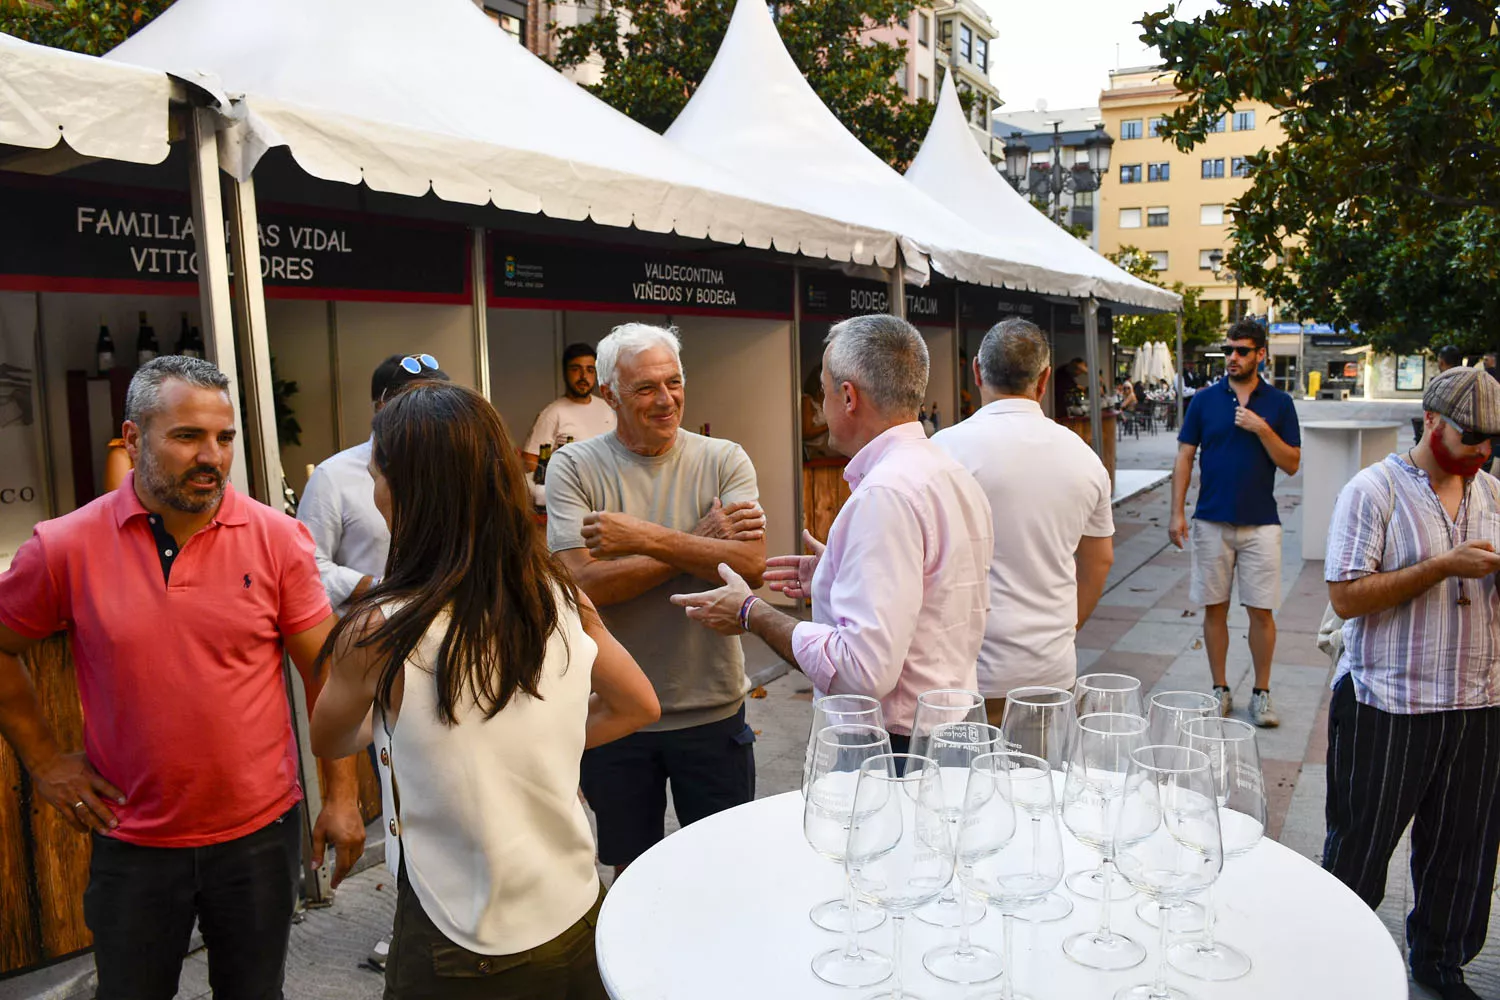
(1246, 429)
(1414, 720)
(1053, 523)
(634, 515)
(338, 505)
(899, 593)
(179, 597)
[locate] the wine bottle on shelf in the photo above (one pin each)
(182, 337)
(195, 348)
(146, 347)
(104, 349)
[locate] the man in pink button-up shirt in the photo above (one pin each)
(900, 592)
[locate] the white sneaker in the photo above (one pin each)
(1262, 712)
(1226, 701)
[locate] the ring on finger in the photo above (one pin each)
(78, 805)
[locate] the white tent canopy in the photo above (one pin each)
(98, 108)
(755, 114)
(409, 100)
(951, 166)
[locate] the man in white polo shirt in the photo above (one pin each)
(1054, 527)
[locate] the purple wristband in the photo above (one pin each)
(745, 612)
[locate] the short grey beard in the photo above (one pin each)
(161, 488)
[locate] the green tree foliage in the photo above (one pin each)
(655, 53)
(1202, 320)
(90, 26)
(1382, 207)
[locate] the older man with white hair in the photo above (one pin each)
(899, 593)
(634, 515)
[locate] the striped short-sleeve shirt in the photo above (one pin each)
(1441, 650)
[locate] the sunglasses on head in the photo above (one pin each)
(1242, 351)
(414, 363)
(1473, 439)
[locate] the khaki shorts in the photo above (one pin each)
(1223, 551)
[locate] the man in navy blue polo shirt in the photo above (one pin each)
(1247, 429)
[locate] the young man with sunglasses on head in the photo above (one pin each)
(1414, 719)
(338, 505)
(1242, 429)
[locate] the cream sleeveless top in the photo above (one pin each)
(498, 847)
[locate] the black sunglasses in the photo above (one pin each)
(1474, 439)
(1243, 352)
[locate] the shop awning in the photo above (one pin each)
(434, 97)
(951, 166)
(755, 113)
(100, 109)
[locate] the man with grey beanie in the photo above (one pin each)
(1414, 721)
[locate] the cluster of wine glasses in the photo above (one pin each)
(971, 819)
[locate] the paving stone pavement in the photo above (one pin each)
(1145, 626)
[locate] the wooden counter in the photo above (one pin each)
(1081, 427)
(44, 863)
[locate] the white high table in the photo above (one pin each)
(1332, 452)
(718, 911)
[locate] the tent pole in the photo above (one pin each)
(263, 449)
(799, 505)
(898, 287)
(958, 350)
(215, 304)
(1181, 369)
(264, 452)
(1091, 357)
(481, 306)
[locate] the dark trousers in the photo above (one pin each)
(711, 768)
(1441, 769)
(425, 965)
(141, 902)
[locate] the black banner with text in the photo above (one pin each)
(830, 295)
(70, 237)
(527, 274)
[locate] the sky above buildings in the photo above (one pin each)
(1061, 51)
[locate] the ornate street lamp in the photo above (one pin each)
(1215, 262)
(1052, 181)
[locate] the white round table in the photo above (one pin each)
(718, 911)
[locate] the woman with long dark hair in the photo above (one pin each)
(489, 673)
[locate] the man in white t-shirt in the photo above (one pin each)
(578, 414)
(1054, 525)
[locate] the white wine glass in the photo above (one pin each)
(1040, 721)
(900, 852)
(1168, 712)
(1009, 843)
(1167, 841)
(953, 747)
(832, 710)
(1240, 786)
(1098, 763)
(1094, 694)
(1106, 692)
(942, 707)
(842, 750)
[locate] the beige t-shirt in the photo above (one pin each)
(699, 675)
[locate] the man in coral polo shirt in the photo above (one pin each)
(179, 596)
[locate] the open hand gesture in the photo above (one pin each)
(792, 575)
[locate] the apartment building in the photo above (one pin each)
(1174, 205)
(965, 34)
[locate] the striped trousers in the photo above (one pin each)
(1439, 771)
